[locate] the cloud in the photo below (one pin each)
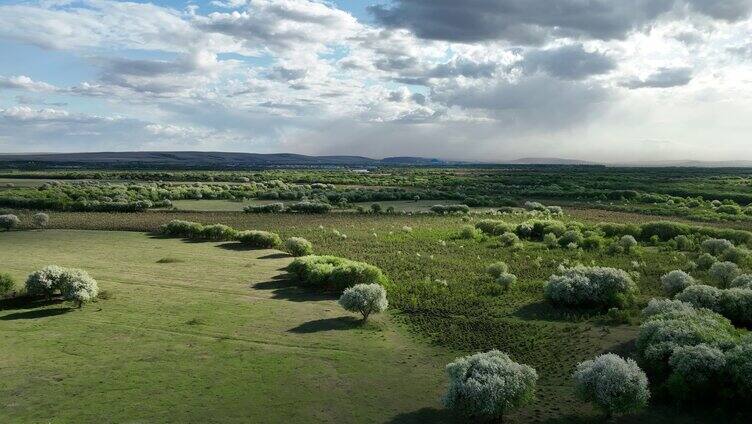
(571, 62)
(662, 78)
(531, 22)
(22, 82)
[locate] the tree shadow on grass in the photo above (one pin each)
(547, 312)
(327, 324)
(27, 302)
(426, 415)
(280, 255)
(36, 313)
(283, 287)
(240, 247)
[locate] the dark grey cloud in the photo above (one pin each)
(534, 21)
(520, 21)
(463, 67)
(538, 101)
(662, 78)
(567, 62)
(728, 10)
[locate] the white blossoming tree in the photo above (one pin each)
(365, 299)
(615, 384)
(488, 385)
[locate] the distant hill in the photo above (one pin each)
(201, 159)
(550, 161)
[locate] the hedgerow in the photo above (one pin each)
(334, 273)
(270, 208)
(259, 239)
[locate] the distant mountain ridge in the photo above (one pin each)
(198, 159)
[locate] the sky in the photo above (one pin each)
(478, 80)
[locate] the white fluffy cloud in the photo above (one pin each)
(472, 80)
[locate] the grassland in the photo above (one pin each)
(208, 335)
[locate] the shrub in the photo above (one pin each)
(739, 368)
(509, 239)
(488, 385)
(376, 208)
(541, 228)
(660, 306)
(729, 209)
(610, 229)
(684, 243)
(468, 232)
(590, 286)
(9, 221)
(331, 272)
(217, 232)
(734, 255)
(627, 242)
(270, 208)
(592, 242)
(736, 305)
(660, 334)
(298, 246)
(45, 281)
(705, 261)
(571, 236)
(259, 239)
(6, 283)
(723, 273)
(506, 281)
(676, 281)
(555, 210)
(493, 227)
(695, 371)
(743, 281)
(444, 209)
(40, 219)
(76, 285)
(550, 241)
(365, 299)
(614, 384)
(716, 246)
(701, 296)
(496, 269)
(310, 207)
(179, 228)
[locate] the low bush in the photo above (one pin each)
(270, 208)
(736, 305)
(571, 236)
(723, 273)
(506, 281)
(739, 369)
(217, 232)
(676, 281)
(509, 239)
(696, 372)
(365, 299)
(660, 306)
(582, 286)
(611, 229)
(9, 221)
(6, 283)
(334, 273)
(259, 239)
(45, 282)
(485, 386)
(298, 246)
(615, 384)
(444, 209)
(40, 219)
(716, 246)
(496, 269)
(592, 242)
(627, 242)
(743, 281)
(310, 207)
(180, 228)
(701, 296)
(468, 232)
(494, 227)
(684, 243)
(705, 261)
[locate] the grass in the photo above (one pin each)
(217, 338)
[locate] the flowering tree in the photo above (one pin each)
(614, 384)
(365, 299)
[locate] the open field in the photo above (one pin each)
(214, 336)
